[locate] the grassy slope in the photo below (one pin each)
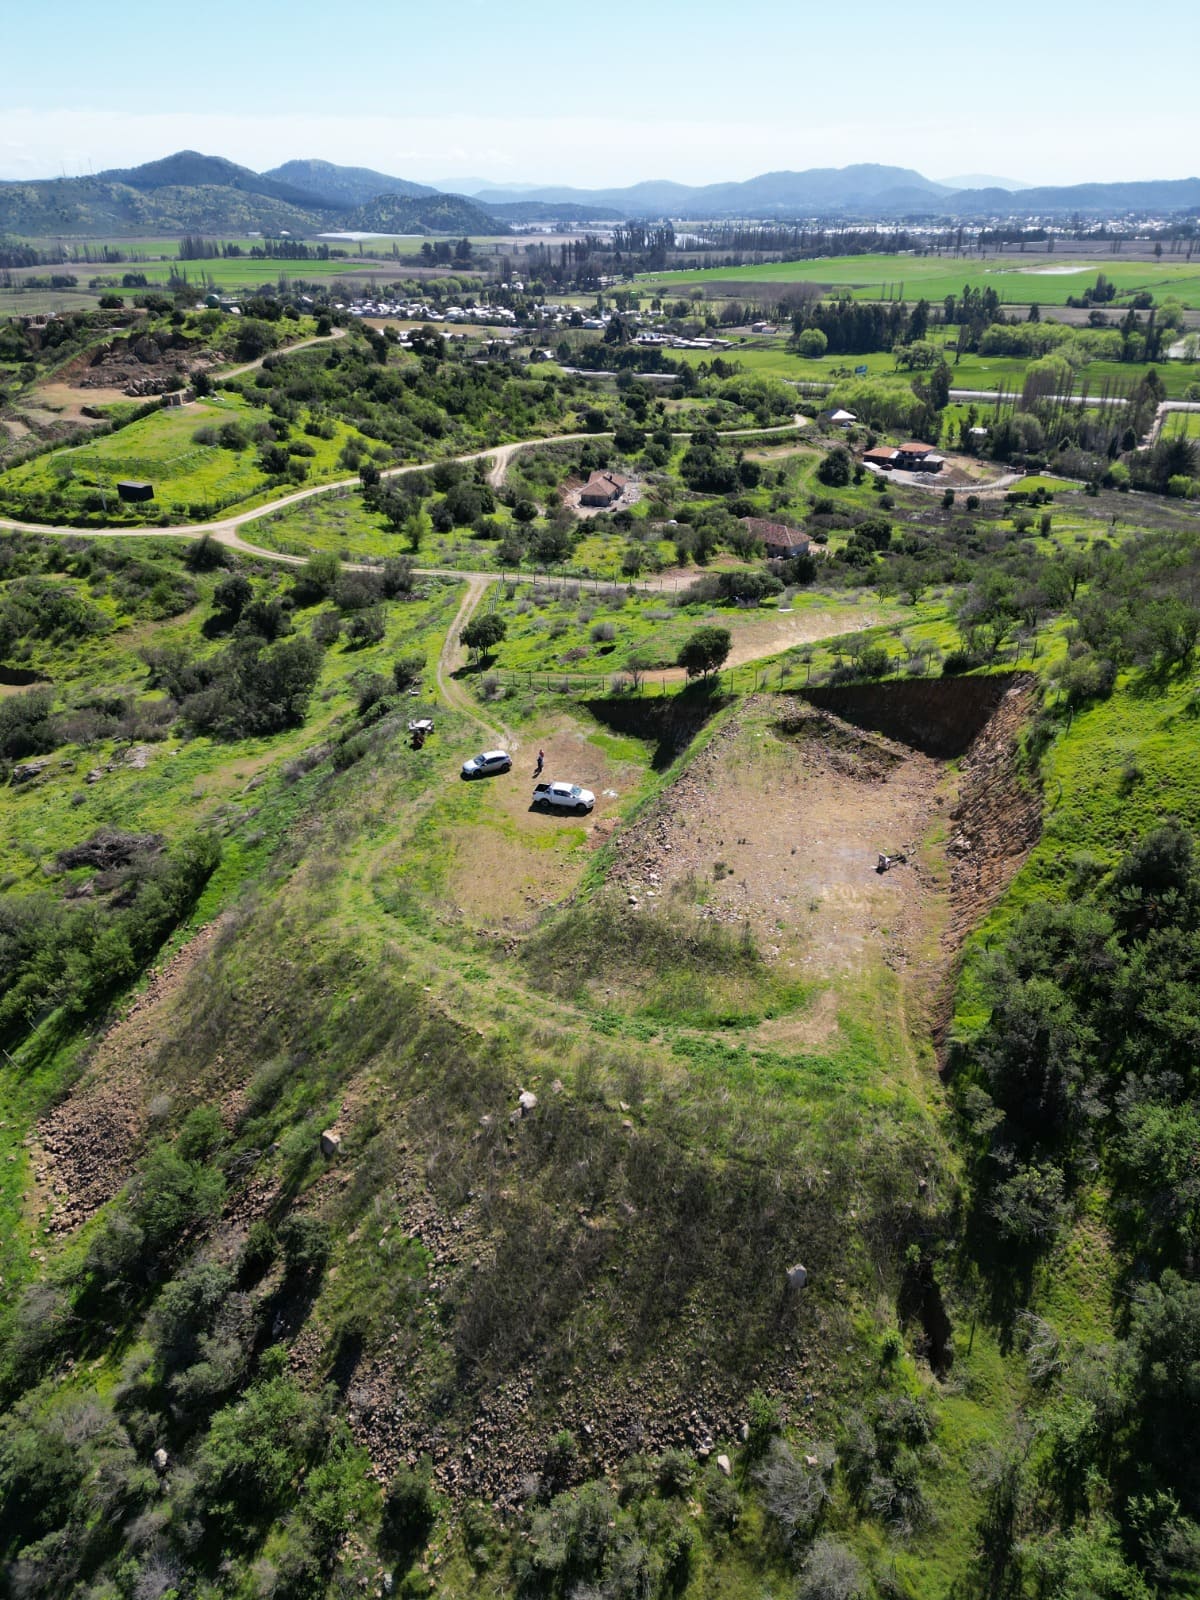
(352, 899)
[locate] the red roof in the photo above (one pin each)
(881, 452)
(775, 532)
(915, 449)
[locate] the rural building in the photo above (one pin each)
(603, 489)
(916, 457)
(135, 491)
(882, 455)
(779, 541)
(838, 419)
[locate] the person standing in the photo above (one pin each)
(541, 762)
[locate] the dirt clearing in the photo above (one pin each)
(778, 827)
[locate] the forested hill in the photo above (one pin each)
(193, 193)
(440, 213)
(99, 206)
(343, 186)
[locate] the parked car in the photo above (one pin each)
(487, 762)
(563, 797)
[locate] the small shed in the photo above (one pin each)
(129, 490)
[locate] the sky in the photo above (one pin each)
(563, 94)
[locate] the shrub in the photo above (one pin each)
(675, 1470)
(836, 468)
(794, 1493)
(764, 1423)
(25, 726)
(830, 1571)
(406, 671)
(409, 1514)
(255, 1450)
(367, 627)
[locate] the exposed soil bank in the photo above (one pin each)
(938, 716)
(671, 721)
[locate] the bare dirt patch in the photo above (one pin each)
(83, 1151)
(779, 824)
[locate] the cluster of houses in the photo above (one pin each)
(669, 341)
(911, 457)
(418, 311)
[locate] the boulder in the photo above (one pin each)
(797, 1276)
(331, 1142)
(725, 1465)
(527, 1101)
(25, 770)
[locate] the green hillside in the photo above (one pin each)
(443, 213)
(777, 1179)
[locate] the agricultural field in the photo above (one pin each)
(999, 374)
(1015, 279)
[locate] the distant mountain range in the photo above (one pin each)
(978, 180)
(193, 193)
(860, 191)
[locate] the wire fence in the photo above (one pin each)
(789, 675)
(601, 685)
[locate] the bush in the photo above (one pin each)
(367, 627)
(409, 1514)
(836, 468)
(25, 726)
(253, 1454)
(764, 1423)
(794, 1494)
(406, 671)
(830, 1571)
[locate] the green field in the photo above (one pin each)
(1016, 280)
(1006, 373)
(188, 478)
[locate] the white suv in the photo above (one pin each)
(489, 761)
(563, 797)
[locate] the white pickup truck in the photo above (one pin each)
(563, 797)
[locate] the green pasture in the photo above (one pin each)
(1018, 280)
(1004, 374)
(188, 477)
